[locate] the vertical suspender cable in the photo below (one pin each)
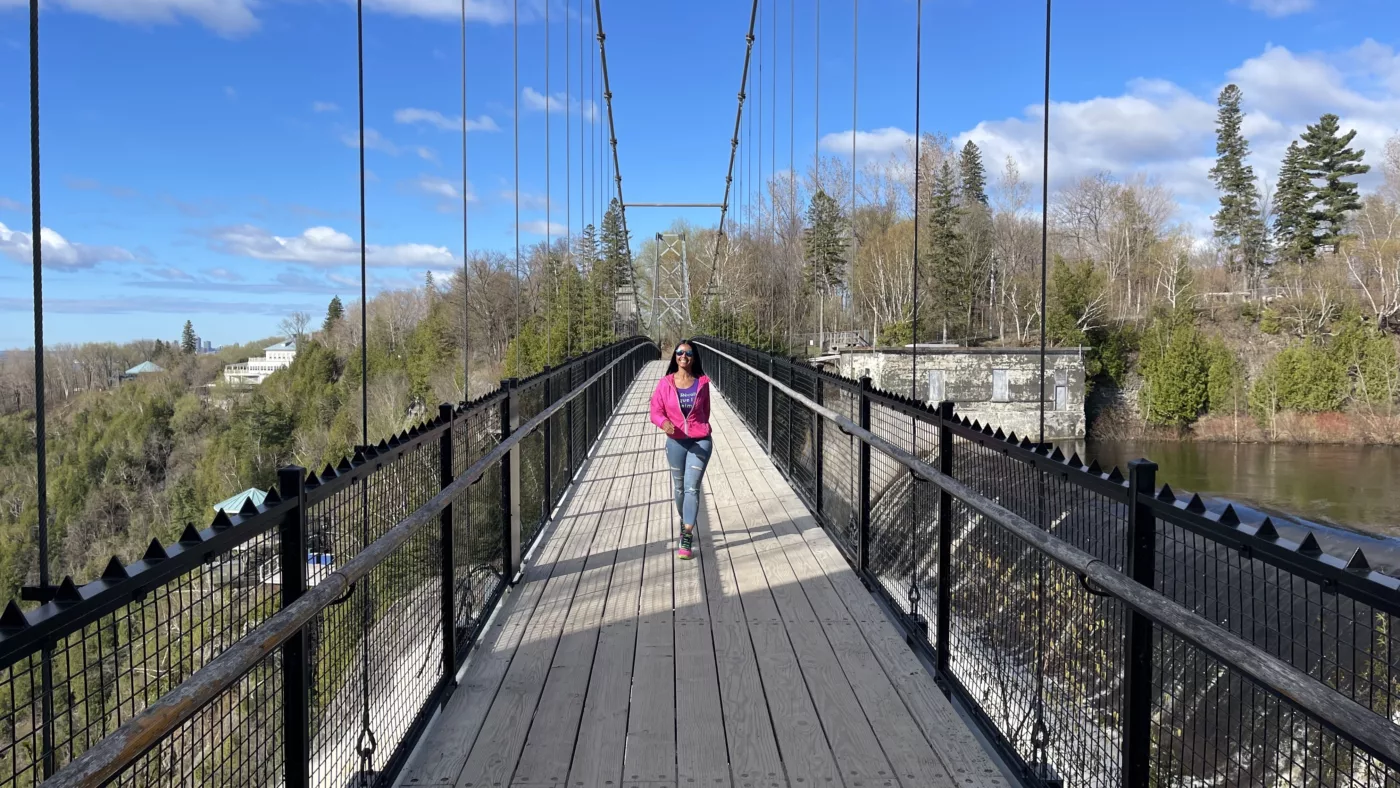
(759, 142)
(792, 114)
(817, 103)
(914, 321)
(366, 744)
(569, 182)
(855, 97)
(466, 313)
(1040, 734)
(36, 246)
(773, 133)
(516, 90)
(548, 193)
(729, 188)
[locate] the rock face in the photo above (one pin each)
(996, 386)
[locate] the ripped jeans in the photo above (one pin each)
(688, 458)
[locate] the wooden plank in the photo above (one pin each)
(702, 756)
(748, 728)
(549, 747)
(444, 752)
(954, 743)
(602, 735)
(801, 741)
(493, 758)
(908, 752)
(650, 759)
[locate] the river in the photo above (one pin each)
(1335, 489)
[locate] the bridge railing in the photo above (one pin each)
(1103, 630)
(309, 639)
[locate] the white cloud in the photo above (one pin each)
(324, 106)
(171, 274)
(875, 144)
(229, 18)
(223, 275)
(325, 247)
(496, 12)
(6, 204)
(541, 227)
(441, 187)
(373, 141)
(412, 116)
(1278, 8)
(528, 200)
(536, 101)
(59, 253)
(426, 154)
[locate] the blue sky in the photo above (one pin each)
(199, 156)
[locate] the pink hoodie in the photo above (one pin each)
(666, 406)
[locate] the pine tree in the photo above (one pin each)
(335, 311)
(1293, 200)
(429, 285)
(1239, 225)
(1328, 157)
(188, 341)
(614, 268)
(945, 257)
(825, 242)
(973, 174)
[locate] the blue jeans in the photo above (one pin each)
(687, 459)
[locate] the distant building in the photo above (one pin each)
(255, 370)
(835, 341)
(992, 385)
(234, 504)
(204, 347)
(140, 369)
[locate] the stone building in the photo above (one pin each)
(995, 386)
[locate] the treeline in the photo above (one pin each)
(136, 460)
(1299, 283)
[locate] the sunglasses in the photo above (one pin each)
(686, 353)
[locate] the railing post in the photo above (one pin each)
(945, 536)
(817, 434)
(1137, 639)
(769, 387)
(510, 484)
(447, 548)
(548, 444)
(296, 656)
(863, 537)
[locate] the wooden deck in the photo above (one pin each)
(763, 663)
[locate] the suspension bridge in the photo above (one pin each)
(885, 594)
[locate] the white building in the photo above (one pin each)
(255, 370)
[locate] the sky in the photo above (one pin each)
(200, 157)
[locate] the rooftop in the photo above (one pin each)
(290, 344)
(145, 366)
(234, 504)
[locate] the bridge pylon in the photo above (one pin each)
(670, 284)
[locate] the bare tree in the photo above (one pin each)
(293, 326)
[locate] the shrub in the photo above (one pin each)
(1304, 378)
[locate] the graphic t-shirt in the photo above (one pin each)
(687, 396)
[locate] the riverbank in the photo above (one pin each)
(1354, 429)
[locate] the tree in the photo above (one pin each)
(824, 240)
(1293, 200)
(949, 283)
(1239, 224)
(189, 343)
(294, 325)
(1328, 157)
(973, 175)
(613, 270)
(335, 312)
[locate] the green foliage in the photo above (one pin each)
(1239, 224)
(948, 285)
(1329, 158)
(1293, 200)
(1175, 366)
(1370, 359)
(335, 312)
(896, 334)
(1270, 321)
(1304, 378)
(824, 241)
(188, 342)
(1226, 390)
(973, 175)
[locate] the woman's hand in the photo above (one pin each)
(668, 428)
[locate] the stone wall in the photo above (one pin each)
(995, 386)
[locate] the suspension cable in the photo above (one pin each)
(792, 114)
(515, 49)
(817, 102)
(759, 142)
(855, 124)
(734, 140)
(773, 133)
(612, 129)
(366, 744)
(569, 181)
(548, 193)
(914, 323)
(36, 245)
(466, 312)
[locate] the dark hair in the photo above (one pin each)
(697, 368)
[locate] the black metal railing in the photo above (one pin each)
(308, 640)
(1222, 654)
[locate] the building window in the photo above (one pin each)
(999, 390)
(935, 386)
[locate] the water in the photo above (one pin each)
(1348, 494)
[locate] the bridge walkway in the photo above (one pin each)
(763, 663)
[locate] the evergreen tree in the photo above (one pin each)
(1328, 157)
(1293, 219)
(973, 174)
(825, 242)
(429, 285)
(335, 311)
(1239, 225)
(188, 342)
(949, 286)
(613, 269)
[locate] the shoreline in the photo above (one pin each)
(1332, 428)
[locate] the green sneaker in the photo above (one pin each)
(687, 540)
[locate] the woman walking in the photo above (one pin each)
(680, 407)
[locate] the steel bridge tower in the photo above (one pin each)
(670, 282)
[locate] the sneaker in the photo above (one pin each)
(687, 540)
